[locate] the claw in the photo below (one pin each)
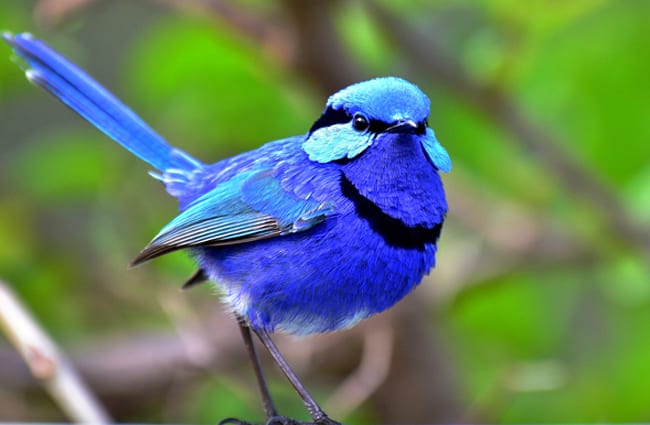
(233, 421)
(280, 420)
(327, 421)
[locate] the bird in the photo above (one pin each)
(304, 235)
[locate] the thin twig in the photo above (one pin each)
(47, 363)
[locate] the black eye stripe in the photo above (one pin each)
(340, 116)
(330, 117)
(422, 127)
(377, 126)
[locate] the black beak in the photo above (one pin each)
(403, 125)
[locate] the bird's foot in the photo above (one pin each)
(233, 421)
(281, 420)
(326, 420)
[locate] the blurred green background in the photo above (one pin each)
(539, 308)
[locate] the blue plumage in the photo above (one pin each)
(306, 234)
(303, 235)
(90, 100)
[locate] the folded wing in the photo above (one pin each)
(250, 206)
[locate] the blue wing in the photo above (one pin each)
(81, 93)
(250, 206)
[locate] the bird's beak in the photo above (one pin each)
(402, 125)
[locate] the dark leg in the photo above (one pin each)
(269, 407)
(314, 409)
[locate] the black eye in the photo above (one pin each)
(359, 122)
(422, 127)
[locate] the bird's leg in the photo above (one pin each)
(272, 417)
(269, 407)
(318, 415)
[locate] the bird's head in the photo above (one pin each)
(357, 114)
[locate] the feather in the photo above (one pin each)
(81, 93)
(251, 206)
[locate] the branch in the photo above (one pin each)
(46, 362)
(320, 55)
(358, 386)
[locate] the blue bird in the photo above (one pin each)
(303, 235)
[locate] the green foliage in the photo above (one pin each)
(63, 168)
(534, 338)
(13, 16)
(231, 92)
(592, 73)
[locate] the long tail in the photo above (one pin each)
(72, 86)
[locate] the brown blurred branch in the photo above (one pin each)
(50, 13)
(320, 54)
(258, 28)
(509, 235)
(46, 361)
(303, 36)
(358, 386)
(131, 371)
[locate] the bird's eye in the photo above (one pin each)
(359, 122)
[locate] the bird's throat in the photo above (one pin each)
(395, 175)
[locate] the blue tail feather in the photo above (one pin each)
(80, 92)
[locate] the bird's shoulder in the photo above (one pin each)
(282, 159)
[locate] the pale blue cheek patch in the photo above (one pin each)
(336, 142)
(437, 154)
